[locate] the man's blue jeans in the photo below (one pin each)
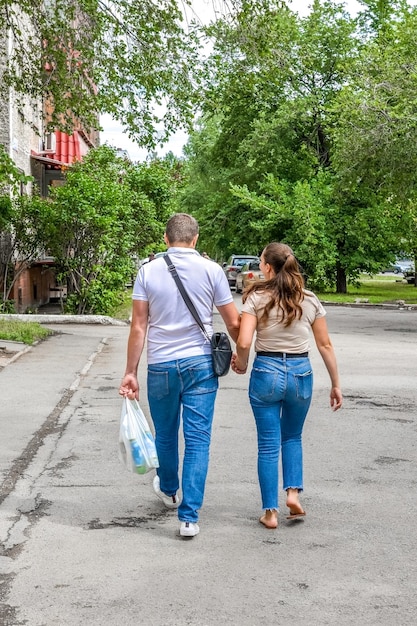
(188, 386)
(280, 391)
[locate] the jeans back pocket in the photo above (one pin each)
(304, 384)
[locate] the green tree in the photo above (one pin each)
(297, 214)
(14, 240)
(96, 226)
(270, 103)
(19, 243)
(99, 221)
(129, 59)
(158, 184)
(206, 193)
(274, 87)
(375, 149)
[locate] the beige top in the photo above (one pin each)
(273, 336)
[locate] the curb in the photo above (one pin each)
(394, 306)
(103, 320)
(21, 349)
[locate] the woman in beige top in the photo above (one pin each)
(282, 312)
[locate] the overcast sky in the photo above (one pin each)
(204, 9)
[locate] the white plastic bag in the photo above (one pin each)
(137, 449)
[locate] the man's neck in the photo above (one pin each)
(181, 244)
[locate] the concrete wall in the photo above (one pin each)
(20, 123)
(23, 139)
(4, 96)
(20, 120)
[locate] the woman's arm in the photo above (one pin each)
(326, 350)
(248, 326)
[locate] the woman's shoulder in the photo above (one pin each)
(309, 294)
(255, 299)
(258, 294)
(312, 301)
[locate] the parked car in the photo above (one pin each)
(248, 274)
(405, 265)
(391, 269)
(235, 264)
(401, 266)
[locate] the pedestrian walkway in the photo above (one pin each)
(84, 542)
(34, 389)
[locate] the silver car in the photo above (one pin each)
(234, 266)
(249, 273)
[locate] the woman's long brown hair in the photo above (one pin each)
(286, 288)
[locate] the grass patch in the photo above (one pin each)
(25, 332)
(380, 289)
(124, 310)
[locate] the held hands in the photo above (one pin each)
(129, 387)
(237, 366)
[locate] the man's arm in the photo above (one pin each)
(129, 386)
(248, 327)
(231, 318)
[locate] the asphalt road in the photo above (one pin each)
(84, 543)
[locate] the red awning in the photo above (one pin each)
(67, 147)
(67, 150)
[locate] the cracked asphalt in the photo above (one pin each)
(85, 543)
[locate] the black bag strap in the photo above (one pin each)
(186, 298)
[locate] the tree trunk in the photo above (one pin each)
(341, 281)
(415, 267)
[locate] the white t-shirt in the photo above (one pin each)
(172, 331)
(272, 335)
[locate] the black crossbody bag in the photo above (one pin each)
(221, 350)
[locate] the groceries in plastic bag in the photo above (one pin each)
(137, 449)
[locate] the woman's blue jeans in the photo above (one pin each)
(185, 387)
(280, 393)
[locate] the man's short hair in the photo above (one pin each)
(181, 227)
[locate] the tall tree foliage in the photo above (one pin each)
(95, 226)
(206, 194)
(87, 57)
(275, 84)
(272, 79)
(19, 243)
(375, 144)
(100, 220)
(15, 241)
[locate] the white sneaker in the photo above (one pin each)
(188, 529)
(171, 502)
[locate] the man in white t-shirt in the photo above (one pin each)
(181, 382)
